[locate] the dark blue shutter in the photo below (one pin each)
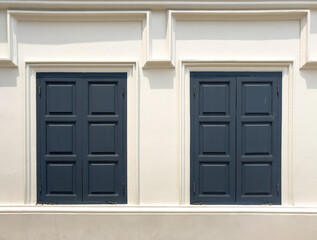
(235, 138)
(59, 151)
(104, 140)
(259, 139)
(81, 137)
(212, 138)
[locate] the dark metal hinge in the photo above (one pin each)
(40, 90)
(277, 189)
(194, 90)
(122, 92)
(40, 187)
(123, 188)
(278, 90)
(194, 188)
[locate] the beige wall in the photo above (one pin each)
(144, 227)
(159, 177)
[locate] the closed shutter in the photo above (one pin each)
(104, 139)
(213, 138)
(258, 139)
(59, 131)
(81, 137)
(235, 138)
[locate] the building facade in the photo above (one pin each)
(158, 119)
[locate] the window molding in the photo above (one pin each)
(144, 17)
(131, 68)
(284, 66)
(158, 210)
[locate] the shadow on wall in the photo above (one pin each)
(3, 27)
(8, 77)
(313, 22)
(310, 77)
(78, 32)
(238, 30)
(160, 78)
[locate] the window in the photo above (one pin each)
(235, 138)
(81, 137)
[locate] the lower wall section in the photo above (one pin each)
(157, 226)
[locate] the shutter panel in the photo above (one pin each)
(59, 150)
(82, 138)
(235, 138)
(212, 138)
(104, 138)
(258, 139)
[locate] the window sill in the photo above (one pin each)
(162, 209)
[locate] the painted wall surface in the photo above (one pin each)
(166, 41)
(157, 227)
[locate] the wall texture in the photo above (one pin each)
(158, 47)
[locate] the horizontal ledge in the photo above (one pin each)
(264, 15)
(156, 64)
(78, 16)
(75, 64)
(310, 65)
(236, 63)
(123, 209)
(164, 4)
(6, 63)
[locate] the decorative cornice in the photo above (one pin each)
(78, 16)
(310, 65)
(7, 63)
(13, 16)
(158, 64)
(260, 15)
(154, 5)
(149, 61)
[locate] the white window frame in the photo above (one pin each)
(286, 67)
(131, 68)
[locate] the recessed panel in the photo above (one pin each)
(60, 138)
(102, 138)
(257, 138)
(214, 178)
(102, 178)
(102, 98)
(60, 98)
(60, 178)
(215, 138)
(258, 98)
(215, 99)
(257, 179)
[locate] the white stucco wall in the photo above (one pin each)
(160, 177)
